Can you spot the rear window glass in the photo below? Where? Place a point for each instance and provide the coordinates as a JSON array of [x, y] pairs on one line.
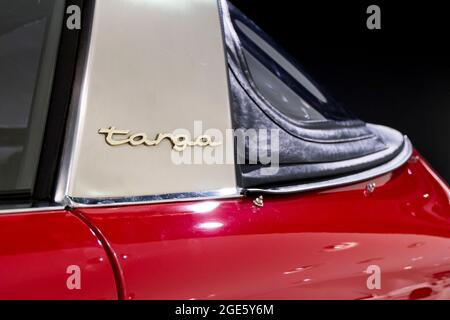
[[279, 79]]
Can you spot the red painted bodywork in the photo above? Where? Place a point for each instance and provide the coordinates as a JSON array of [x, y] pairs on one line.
[[37, 248], [314, 245]]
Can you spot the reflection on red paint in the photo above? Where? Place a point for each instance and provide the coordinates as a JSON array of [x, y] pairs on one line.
[[226, 248]]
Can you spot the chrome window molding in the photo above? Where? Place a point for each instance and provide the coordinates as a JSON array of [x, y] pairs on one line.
[[31, 210], [229, 193], [387, 167], [72, 130]]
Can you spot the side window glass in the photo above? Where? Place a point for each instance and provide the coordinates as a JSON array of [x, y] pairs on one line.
[[29, 40]]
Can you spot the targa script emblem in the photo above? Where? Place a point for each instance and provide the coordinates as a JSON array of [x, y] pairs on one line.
[[179, 141]]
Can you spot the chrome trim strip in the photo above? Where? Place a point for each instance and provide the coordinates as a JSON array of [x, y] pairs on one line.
[[31, 210], [72, 130], [393, 164], [228, 193]]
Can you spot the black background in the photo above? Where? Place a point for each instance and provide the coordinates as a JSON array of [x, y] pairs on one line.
[[398, 76]]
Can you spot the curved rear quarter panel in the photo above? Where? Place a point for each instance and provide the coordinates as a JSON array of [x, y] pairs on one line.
[[315, 245], [36, 250]]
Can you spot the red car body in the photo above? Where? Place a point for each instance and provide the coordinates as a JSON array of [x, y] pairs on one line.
[[85, 215], [315, 245]]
